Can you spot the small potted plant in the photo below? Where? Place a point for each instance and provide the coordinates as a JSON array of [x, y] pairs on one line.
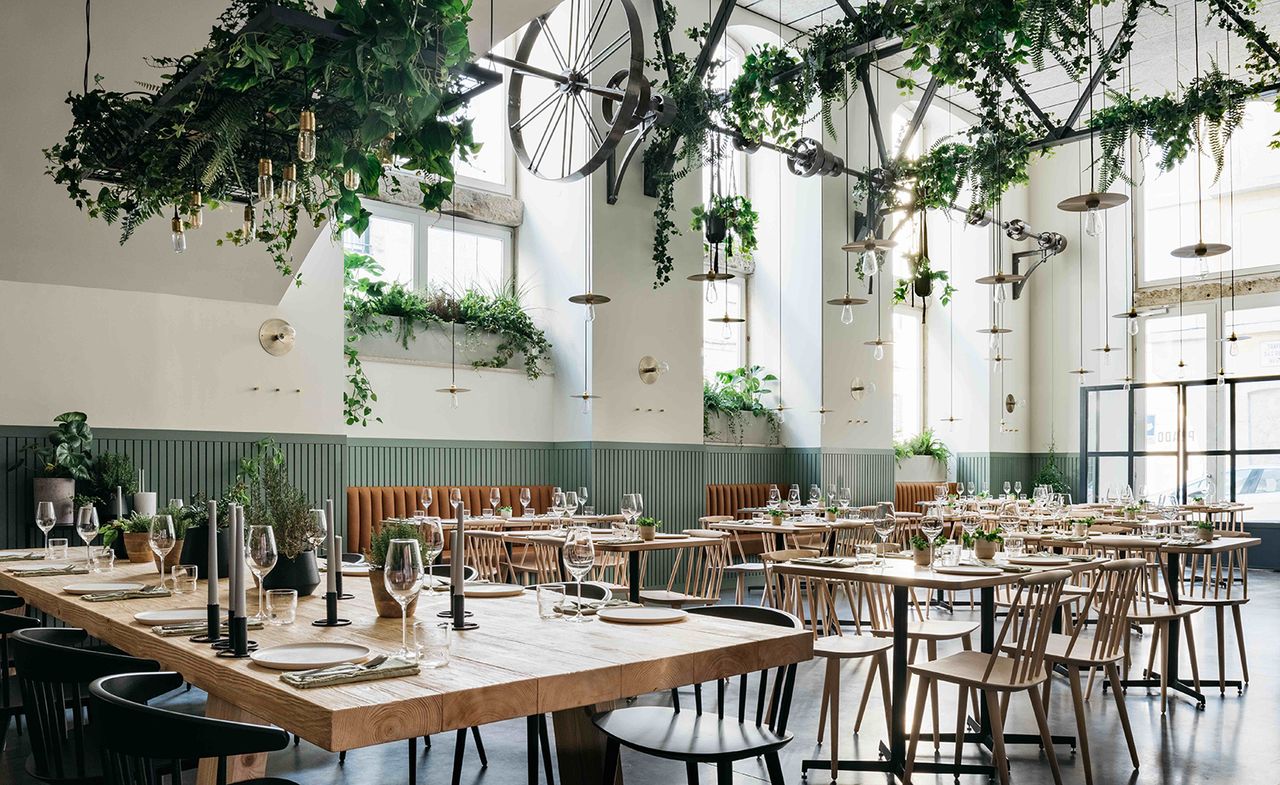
[[1080, 527], [60, 460], [1131, 511], [504, 513], [376, 556], [262, 485], [833, 513], [921, 550], [1205, 530], [648, 527], [985, 544], [135, 530], [195, 543], [776, 515]]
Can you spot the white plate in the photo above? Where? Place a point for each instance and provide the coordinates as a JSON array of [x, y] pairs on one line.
[[171, 616], [965, 569], [304, 656], [94, 588], [1041, 561], [492, 590], [641, 615]]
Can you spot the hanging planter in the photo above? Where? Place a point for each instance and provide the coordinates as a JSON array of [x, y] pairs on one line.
[[923, 277], [729, 220]]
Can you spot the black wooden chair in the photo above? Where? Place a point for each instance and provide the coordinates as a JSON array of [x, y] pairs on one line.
[[141, 743], [693, 737], [53, 673], [10, 696]]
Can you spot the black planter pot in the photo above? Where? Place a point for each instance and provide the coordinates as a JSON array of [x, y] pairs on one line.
[[195, 550], [923, 287], [716, 229], [299, 573]]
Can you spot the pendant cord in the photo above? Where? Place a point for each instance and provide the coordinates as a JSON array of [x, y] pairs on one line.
[[88, 41], [781, 222], [1195, 33], [453, 282], [848, 187]]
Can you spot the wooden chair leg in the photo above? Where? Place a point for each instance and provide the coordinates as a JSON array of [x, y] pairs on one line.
[[998, 757], [1046, 738], [824, 704], [1088, 687], [1082, 725], [1113, 676], [1156, 629], [1164, 672], [922, 695], [1191, 651], [872, 667], [1048, 683], [1219, 622], [961, 716], [883, 659], [1244, 659], [932, 648], [966, 643], [833, 678]]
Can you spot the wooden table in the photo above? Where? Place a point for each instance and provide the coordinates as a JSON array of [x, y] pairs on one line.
[[779, 532], [514, 665], [903, 575]]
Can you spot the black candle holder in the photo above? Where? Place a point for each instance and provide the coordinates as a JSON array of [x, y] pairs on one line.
[[240, 643], [459, 613], [331, 613], [342, 595], [214, 633]]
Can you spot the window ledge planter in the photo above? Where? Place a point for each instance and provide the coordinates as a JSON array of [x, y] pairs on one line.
[[430, 346], [743, 429], [921, 468]]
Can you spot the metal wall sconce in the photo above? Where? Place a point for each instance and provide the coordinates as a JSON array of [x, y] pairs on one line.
[[650, 369], [276, 337]]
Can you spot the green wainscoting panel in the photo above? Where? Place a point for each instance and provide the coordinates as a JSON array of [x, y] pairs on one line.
[[868, 473], [421, 462], [726, 464], [999, 467]]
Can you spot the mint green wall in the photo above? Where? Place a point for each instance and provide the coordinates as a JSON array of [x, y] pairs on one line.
[[997, 468]]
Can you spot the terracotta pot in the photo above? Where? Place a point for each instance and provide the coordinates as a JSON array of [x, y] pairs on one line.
[[985, 549], [387, 606], [921, 557], [171, 559], [648, 532], [1205, 534], [138, 546]]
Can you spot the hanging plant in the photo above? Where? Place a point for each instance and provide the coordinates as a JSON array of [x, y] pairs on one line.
[[375, 90], [923, 277], [739, 219]]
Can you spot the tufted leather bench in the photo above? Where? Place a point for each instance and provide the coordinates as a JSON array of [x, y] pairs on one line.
[[906, 494], [368, 506], [728, 498]]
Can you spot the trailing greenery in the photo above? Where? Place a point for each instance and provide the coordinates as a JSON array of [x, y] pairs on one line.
[[376, 555], [740, 220], [1051, 474], [925, 443], [66, 451], [262, 486], [376, 307], [921, 543], [376, 93], [995, 535], [735, 395]]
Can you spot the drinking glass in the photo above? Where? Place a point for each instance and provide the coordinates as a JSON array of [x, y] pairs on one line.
[[525, 497], [931, 526], [970, 523], [260, 547], [282, 606], [432, 543], [884, 523], [627, 507], [425, 496], [104, 560], [1188, 531], [571, 502], [87, 528], [176, 504], [184, 577], [867, 554], [775, 496], [793, 496], [402, 575], [1008, 486], [846, 497], [939, 492], [58, 548], [557, 507], [495, 498], [582, 497], [161, 538], [579, 555], [46, 519], [431, 640], [550, 596], [815, 495], [1015, 547]]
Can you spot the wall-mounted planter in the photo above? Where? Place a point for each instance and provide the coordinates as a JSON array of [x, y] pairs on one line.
[[431, 346], [751, 431], [921, 468]]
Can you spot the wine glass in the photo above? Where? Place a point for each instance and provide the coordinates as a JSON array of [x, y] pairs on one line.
[[260, 544], [931, 526], [557, 508], [639, 505], [402, 575], [775, 496], [831, 494], [793, 496], [1017, 487], [846, 497], [425, 496], [1008, 486], [627, 508], [972, 488], [161, 538], [582, 496], [456, 508], [495, 499], [815, 495], [579, 555], [525, 497], [317, 533], [571, 503], [970, 522], [46, 519], [87, 528], [885, 522], [433, 544], [939, 492]]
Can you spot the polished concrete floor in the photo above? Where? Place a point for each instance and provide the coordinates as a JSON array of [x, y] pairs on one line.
[[1236, 739]]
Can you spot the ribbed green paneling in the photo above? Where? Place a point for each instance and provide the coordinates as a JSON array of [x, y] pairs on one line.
[[1000, 467], [869, 473], [726, 464], [415, 462]]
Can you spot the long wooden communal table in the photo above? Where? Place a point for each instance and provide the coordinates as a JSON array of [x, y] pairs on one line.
[[791, 526], [513, 665], [904, 575]]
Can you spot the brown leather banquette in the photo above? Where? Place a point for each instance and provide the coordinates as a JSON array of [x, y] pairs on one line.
[[729, 498], [907, 494], [368, 506]]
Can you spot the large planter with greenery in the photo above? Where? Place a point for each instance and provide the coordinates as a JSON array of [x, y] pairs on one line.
[[922, 458], [299, 573], [741, 428], [63, 457], [386, 605], [733, 411], [60, 491], [433, 345]]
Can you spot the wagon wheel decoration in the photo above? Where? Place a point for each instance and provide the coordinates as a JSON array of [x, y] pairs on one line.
[[558, 87]]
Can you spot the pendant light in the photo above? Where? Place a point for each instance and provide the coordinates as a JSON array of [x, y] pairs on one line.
[[1093, 202], [589, 298], [847, 302], [870, 247], [1081, 371], [177, 236], [453, 389], [195, 210], [306, 136], [714, 230], [1200, 250], [951, 419], [1232, 341]]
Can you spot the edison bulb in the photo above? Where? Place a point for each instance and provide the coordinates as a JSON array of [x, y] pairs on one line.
[[307, 136], [249, 225], [1233, 347], [1133, 325], [177, 236], [1182, 369], [1127, 385], [591, 312], [823, 417], [726, 332], [869, 263], [1222, 378], [1092, 222], [782, 415], [878, 352], [846, 314], [289, 185], [586, 405], [266, 186], [1204, 267], [195, 218], [351, 180], [711, 292], [994, 342], [453, 400], [998, 295]]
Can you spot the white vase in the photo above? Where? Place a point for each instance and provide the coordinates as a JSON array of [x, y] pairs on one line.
[[144, 502], [60, 491]]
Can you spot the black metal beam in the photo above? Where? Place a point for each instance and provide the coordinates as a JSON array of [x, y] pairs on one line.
[[664, 41], [864, 76], [714, 34], [917, 117], [1122, 35], [880, 47], [1262, 41], [1011, 77], [848, 8]]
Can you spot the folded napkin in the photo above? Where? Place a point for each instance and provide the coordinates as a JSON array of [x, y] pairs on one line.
[[1069, 538], [1080, 557], [618, 540], [32, 556], [898, 555], [55, 569], [187, 629], [591, 606], [825, 561], [1014, 568], [1188, 543], [351, 673], [135, 594]]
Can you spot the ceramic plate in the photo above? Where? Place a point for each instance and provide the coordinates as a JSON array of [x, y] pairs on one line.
[[641, 615], [304, 656], [965, 569], [94, 588], [172, 616], [492, 590], [1041, 561]]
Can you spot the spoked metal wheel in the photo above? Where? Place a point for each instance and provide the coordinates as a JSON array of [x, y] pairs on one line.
[[567, 109]]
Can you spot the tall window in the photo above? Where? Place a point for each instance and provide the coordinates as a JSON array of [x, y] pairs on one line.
[[908, 375], [492, 167], [724, 347], [419, 249]]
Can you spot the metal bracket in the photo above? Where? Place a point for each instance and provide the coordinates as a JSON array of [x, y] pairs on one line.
[[1050, 244]]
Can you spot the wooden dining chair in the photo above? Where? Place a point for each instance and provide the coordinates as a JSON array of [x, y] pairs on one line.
[[140, 743], [1016, 664], [696, 575], [53, 670], [740, 566], [540, 563], [846, 536], [1219, 581], [775, 587], [757, 728], [486, 551], [1097, 641]]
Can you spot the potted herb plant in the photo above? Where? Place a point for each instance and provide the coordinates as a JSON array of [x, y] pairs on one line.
[[776, 516], [386, 605], [62, 458], [114, 471], [921, 550], [504, 512], [922, 458], [832, 514], [985, 543], [648, 527], [1205, 530], [135, 531], [262, 486]]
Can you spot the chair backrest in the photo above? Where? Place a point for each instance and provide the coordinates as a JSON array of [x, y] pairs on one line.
[[52, 672], [134, 735], [9, 624], [486, 551], [772, 703], [368, 506], [848, 536], [1027, 626], [1110, 598], [1222, 575], [701, 566], [469, 573], [906, 494]]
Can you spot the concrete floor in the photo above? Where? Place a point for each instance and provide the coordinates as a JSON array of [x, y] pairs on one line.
[[1236, 739]]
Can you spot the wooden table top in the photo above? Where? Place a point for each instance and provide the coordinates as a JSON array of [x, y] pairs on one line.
[[601, 541], [514, 665], [905, 572], [787, 527], [1121, 541]]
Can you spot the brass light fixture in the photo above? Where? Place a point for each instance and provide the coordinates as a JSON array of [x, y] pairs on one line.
[[650, 369], [588, 298], [195, 214], [177, 237], [266, 186], [306, 136], [289, 185], [276, 337]]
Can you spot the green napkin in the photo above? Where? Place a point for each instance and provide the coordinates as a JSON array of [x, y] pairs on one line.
[[591, 606], [351, 673], [618, 541], [59, 569], [1014, 568], [1080, 557], [187, 629], [32, 556], [135, 594]]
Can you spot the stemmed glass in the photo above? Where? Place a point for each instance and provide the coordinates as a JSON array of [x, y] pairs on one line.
[[571, 503], [402, 575], [582, 497], [885, 522], [161, 538], [628, 510], [495, 498], [775, 496], [579, 555], [972, 488], [970, 523], [1017, 487], [815, 495], [557, 508], [639, 504], [831, 494], [425, 496], [846, 498], [317, 534], [1008, 486], [931, 526], [46, 519], [793, 496], [260, 544], [433, 543], [87, 528], [525, 498]]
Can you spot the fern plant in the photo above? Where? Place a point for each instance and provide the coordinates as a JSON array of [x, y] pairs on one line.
[[926, 443]]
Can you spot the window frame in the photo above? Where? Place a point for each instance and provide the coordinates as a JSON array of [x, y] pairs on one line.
[[508, 184]]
